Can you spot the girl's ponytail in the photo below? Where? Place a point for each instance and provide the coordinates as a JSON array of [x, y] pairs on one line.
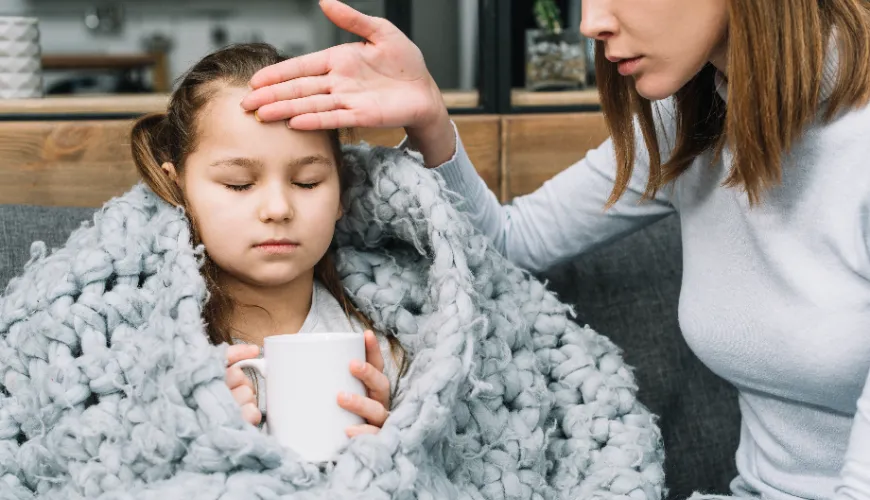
[[151, 145]]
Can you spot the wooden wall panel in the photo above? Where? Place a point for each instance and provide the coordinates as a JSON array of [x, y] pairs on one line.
[[84, 163], [537, 147]]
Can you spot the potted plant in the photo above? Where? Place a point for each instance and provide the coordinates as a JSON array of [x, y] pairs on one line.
[[555, 58]]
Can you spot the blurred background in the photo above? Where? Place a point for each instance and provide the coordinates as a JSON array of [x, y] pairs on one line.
[[508, 49]]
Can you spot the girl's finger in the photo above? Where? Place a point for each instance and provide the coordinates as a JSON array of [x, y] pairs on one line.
[[372, 411], [377, 384], [236, 378], [244, 395], [373, 351], [291, 89], [236, 353], [356, 430], [251, 414]]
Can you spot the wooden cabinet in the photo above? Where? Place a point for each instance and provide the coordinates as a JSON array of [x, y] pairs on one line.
[[84, 163]]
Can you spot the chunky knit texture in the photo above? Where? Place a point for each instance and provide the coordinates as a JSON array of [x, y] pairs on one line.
[[110, 389]]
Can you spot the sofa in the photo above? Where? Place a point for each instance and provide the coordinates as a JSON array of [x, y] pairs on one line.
[[627, 291]]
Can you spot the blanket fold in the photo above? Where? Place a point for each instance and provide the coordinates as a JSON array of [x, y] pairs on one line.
[[109, 388]]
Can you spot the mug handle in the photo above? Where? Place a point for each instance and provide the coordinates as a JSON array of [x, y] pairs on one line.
[[258, 364]]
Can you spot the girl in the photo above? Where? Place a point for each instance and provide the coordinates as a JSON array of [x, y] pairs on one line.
[[264, 201], [760, 144]]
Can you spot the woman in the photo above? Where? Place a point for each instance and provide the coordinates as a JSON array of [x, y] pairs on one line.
[[749, 119]]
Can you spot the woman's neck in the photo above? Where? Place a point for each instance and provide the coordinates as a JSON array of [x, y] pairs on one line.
[[260, 312]]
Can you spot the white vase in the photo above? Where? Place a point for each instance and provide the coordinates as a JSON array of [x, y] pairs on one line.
[[20, 58]]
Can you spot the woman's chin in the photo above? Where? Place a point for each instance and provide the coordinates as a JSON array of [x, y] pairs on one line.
[[653, 87]]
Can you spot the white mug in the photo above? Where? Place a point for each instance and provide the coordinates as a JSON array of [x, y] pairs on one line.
[[304, 375]]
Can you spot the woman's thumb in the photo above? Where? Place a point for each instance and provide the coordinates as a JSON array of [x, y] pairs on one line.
[[350, 19]]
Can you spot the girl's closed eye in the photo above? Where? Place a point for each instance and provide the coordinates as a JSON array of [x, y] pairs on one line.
[[238, 187], [307, 185]]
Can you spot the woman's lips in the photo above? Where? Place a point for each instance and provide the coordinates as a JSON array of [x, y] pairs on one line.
[[628, 67]]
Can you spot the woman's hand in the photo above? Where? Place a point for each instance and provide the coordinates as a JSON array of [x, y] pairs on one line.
[[239, 383], [374, 408], [382, 82]]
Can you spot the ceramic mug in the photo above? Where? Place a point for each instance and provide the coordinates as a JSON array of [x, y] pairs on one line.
[[304, 374]]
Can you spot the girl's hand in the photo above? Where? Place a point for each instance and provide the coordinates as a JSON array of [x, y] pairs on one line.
[[382, 82], [240, 385], [374, 408]]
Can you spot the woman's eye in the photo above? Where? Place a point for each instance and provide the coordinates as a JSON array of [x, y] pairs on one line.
[[307, 186], [239, 187]]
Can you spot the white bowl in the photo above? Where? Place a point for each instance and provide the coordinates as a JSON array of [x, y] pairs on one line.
[[29, 64], [18, 49]]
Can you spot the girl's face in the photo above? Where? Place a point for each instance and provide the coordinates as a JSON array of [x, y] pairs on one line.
[[662, 44], [265, 198]]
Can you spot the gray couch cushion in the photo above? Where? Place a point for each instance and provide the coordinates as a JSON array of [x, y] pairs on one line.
[[627, 291], [21, 225]]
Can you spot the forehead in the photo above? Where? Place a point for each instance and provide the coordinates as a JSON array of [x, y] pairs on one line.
[[224, 125]]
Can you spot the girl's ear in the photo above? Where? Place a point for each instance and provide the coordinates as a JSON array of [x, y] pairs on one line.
[[169, 168], [340, 213]]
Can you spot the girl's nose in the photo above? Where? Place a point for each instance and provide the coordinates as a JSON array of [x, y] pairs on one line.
[[276, 205]]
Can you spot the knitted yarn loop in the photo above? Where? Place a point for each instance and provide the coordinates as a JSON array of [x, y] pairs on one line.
[[109, 388]]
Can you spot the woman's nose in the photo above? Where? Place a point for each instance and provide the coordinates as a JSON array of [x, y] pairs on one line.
[[597, 20], [276, 206]]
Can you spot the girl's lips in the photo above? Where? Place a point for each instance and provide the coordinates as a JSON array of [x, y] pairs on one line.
[[628, 67], [276, 247]]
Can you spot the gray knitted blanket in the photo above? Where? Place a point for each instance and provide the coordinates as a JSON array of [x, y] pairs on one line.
[[109, 388]]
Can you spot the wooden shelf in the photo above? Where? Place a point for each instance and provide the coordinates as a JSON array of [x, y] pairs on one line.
[[98, 61], [522, 97]]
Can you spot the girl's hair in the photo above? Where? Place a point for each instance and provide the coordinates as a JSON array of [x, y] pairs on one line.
[[776, 56], [172, 136]]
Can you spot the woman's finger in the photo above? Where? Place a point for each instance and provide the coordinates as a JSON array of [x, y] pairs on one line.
[[356, 430], [349, 19], [283, 110], [377, 384], [251, 414], [244, 395], [372, 411], [314, 64], [373, 351], [238, 352], [340, 118], [292, 89]]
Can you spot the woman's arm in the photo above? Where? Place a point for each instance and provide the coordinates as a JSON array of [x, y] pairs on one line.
[[855, 482], [563, 218]]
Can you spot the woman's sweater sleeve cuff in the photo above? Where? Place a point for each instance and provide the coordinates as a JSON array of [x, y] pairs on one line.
[[458, 172]]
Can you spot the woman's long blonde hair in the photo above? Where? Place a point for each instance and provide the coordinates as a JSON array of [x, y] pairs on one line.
[[171, 137], [776, 59]]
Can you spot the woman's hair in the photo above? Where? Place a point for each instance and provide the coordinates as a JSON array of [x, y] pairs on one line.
[[776, 56], [172, 136]]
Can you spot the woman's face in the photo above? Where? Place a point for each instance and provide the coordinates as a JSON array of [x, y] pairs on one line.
[[265, 198], [662, 44]]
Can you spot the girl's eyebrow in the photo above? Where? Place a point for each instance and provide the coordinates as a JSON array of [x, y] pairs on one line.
[[310, 160], [237, 162], [255, 163]]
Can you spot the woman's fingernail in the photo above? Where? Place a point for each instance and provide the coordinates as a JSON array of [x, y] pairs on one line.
[[356, 364], [257, 116], [344, 397]]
